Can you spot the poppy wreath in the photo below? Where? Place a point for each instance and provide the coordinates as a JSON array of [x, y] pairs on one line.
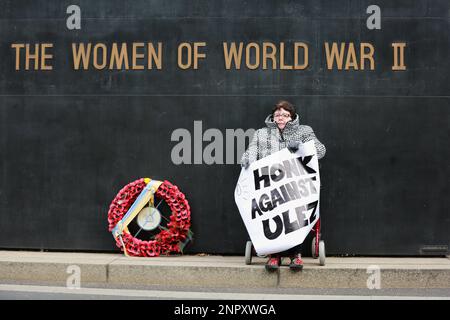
[[167, 241]]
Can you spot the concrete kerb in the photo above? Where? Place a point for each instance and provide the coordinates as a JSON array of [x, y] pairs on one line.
[[358, 278], [55, 267], [220, 271]]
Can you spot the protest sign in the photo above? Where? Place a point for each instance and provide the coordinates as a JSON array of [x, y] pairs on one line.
[[278, 198]]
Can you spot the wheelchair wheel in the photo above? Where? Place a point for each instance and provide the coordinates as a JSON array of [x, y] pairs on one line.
[[313, 248], [248, 252], [322, 252]]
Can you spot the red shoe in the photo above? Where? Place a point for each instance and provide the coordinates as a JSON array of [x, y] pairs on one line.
[[273, 263], [296, 263]]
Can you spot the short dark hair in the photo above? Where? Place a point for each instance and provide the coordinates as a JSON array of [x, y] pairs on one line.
[[286, 105]]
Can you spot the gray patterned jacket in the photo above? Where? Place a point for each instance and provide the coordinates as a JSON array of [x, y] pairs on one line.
[[270, 140]]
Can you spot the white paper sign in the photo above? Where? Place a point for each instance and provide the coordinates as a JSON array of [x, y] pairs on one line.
[[278, 198]]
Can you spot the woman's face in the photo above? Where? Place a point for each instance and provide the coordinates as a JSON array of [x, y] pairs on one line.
[[281, 117]]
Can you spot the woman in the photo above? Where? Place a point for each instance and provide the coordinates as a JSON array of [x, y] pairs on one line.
[[282, 131]]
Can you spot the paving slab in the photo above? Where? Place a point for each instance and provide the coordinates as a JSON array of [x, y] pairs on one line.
[[223, 271]]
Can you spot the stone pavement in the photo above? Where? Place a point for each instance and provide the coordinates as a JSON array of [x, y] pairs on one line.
[[221, 271]]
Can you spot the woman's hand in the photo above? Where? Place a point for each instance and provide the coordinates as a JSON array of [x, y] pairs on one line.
[[245, 164]]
